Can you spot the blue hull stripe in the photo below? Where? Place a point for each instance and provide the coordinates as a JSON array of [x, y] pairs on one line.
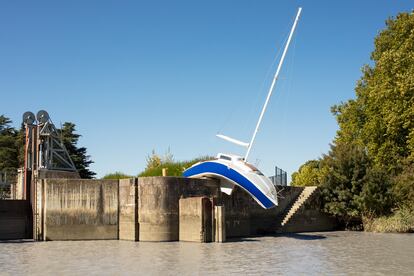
[[220, 169]]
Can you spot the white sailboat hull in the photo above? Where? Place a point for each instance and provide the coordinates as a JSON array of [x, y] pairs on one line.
[[256, 184]]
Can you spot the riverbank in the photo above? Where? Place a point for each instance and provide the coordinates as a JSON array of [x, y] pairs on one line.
[[401, 221]]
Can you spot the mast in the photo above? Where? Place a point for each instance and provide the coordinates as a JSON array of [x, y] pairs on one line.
[[273, 83]]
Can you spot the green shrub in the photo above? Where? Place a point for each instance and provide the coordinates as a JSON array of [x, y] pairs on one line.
[[156, 163], [401, 221], [116, 175], [309, 174]]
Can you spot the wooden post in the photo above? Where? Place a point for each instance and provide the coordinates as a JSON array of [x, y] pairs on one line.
[[164, 171]]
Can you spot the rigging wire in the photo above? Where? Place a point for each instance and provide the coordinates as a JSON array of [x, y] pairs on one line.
[[285, 84], [249, 116], [288, 93], [258, 99]]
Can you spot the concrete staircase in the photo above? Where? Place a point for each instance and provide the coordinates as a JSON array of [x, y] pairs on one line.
[[306, 193]]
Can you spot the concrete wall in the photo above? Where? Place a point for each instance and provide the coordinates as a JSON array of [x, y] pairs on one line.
[[195, 219], [15, 219], [310, 218], [43, 174], [158, 204], [244, 217], [148, 209], [80, 209], [128, 209]]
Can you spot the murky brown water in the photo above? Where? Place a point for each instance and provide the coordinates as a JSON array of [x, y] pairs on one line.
[[311, 253]]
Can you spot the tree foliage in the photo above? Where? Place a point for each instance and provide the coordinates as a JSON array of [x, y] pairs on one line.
[[78, 155], [156, 163], [9, 150], [369, 169], [308, 174], [381, 118]]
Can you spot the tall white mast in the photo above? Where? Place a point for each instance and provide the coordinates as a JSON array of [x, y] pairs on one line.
[[273, 83]]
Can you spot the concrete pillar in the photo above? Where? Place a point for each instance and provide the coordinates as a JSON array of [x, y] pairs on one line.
[[128, 209], [195, 219], [220, 223], [158, 208]]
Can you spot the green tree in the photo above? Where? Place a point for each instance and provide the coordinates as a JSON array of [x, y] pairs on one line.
[[8, 147], [79, 156], [342, 184], [403, 188], [381, 118], [369, 169], [309, 174], [20, 142]]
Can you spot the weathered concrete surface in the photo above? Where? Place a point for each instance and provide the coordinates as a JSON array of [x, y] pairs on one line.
[[158, 204], [15, 220], [148, 209], [17, 188], [43, 174], [128, 209], [244, 217], [309, 218], [195, 219], [80, 209], [220, 223]]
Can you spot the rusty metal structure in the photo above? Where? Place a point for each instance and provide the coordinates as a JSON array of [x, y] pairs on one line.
[[44, 149]]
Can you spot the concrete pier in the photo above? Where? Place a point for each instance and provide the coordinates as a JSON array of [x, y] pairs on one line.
[[158, 204], [220, 223], [196, 222], [128, 209], [160, 209]]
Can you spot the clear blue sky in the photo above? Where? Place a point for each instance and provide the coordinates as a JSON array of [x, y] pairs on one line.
[[136, 76]]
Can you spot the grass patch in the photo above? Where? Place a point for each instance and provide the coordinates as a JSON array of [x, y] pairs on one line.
[[116, 175], [174, 168], [401, 221]]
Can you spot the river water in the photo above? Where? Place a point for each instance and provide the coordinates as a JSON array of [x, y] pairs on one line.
[[307, 253]]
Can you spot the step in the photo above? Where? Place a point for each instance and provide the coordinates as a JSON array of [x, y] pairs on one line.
[[302, 198]]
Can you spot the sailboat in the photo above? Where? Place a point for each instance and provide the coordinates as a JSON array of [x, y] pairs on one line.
[[233, 170]]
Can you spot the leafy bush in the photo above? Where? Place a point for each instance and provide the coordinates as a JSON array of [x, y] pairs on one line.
[[116, 175], [403, 188], [309, 174], [156, 163], [402, 221]]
